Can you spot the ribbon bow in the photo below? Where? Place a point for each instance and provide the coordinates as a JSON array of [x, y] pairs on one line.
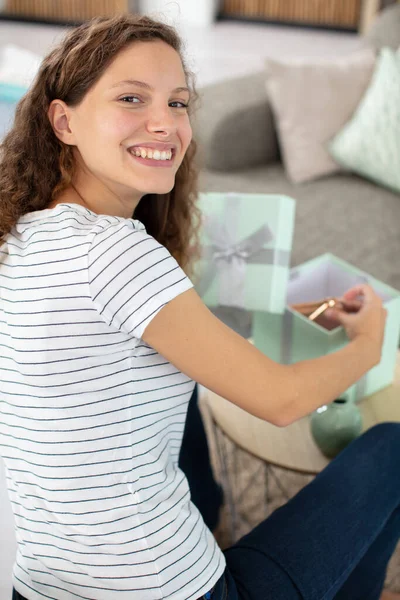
[[228, 259]]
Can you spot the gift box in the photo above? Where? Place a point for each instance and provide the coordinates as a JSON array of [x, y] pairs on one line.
[[246, 240], [292, 337]]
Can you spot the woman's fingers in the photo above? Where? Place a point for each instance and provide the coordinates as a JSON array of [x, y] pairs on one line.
[[350, 305]]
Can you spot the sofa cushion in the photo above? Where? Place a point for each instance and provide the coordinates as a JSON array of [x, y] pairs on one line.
[[312, 99], [233, 125], [18, 66], [385, 30], [370, 143], [344, 214]]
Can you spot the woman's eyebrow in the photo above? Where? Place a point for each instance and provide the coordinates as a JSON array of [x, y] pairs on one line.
[[145, 85]]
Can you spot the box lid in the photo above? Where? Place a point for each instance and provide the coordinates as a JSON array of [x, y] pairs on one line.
[[246, 242]]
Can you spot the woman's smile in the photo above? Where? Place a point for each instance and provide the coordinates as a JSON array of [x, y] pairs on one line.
[[154, 154]]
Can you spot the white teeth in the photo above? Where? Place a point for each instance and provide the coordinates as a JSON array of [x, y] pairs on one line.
[[152, 154]]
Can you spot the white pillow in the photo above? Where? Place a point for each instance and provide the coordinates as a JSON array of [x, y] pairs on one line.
[[18, 66], [311, 101], [369, 143]]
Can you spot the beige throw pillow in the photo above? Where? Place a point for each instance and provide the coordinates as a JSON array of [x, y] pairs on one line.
[[311, 101]]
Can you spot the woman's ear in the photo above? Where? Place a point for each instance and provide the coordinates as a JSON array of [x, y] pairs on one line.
[[59, 115]]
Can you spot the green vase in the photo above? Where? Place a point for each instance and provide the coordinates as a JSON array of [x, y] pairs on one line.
[[335, 425]]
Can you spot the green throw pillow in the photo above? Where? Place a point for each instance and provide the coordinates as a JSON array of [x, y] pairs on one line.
[[369, 143]]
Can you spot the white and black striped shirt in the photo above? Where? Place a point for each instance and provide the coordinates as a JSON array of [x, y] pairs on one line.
[[92, 418]]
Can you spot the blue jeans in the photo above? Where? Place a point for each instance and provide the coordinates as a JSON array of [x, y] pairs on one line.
[[194, 460], [334, 539]]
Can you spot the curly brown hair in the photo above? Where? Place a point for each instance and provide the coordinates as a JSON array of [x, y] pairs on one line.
[[35, 166]]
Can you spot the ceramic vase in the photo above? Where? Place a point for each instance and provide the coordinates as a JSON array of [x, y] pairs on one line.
[[335, 425]]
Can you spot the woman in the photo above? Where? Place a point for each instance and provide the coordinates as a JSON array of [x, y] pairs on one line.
[[102, 336]]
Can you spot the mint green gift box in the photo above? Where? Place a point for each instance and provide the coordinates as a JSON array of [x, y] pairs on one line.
[[292, 337], [246, 241]]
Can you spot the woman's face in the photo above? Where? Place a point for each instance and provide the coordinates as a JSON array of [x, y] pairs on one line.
[[132, 128]]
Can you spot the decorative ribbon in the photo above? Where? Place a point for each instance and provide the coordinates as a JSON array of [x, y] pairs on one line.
[[227, 259]]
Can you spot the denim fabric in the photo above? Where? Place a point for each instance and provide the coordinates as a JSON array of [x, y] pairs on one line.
[[194, 460], [333, 540], [225, 588]]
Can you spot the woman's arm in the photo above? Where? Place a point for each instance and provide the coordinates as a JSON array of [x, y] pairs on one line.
[[187, 334]]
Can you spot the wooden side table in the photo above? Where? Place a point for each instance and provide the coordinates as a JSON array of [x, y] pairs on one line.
[[291, 448]]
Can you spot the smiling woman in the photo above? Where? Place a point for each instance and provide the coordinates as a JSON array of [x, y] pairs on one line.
[[102, 135], [102, 338], [94, 106], [122, 130]]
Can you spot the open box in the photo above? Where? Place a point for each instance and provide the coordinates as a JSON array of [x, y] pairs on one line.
[[292, 337]]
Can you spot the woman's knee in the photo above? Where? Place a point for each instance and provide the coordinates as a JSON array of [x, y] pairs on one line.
[[376, 448], [388, 433], [380, 443]]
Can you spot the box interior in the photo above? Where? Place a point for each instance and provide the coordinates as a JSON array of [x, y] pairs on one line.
[[323, 280]]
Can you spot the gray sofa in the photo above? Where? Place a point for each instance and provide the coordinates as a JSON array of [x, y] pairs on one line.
[[343, 214]]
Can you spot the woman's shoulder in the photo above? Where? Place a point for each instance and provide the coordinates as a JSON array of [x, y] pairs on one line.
[[82, 216], [66, 222]]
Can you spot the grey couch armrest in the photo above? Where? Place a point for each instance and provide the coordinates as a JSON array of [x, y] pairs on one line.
[[234, 126], [385, 30]]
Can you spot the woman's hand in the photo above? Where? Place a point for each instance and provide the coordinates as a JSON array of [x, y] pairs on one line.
[[363, 317]]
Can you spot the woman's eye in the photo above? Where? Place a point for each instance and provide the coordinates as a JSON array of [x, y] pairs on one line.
[[130, 99], [178, 104]]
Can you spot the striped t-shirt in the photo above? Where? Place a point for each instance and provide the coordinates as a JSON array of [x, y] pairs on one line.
[[92, 418]]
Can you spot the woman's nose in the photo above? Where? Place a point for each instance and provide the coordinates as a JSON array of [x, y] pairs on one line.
[[161, 120]]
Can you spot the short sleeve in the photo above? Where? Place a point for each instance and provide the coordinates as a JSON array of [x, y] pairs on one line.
[[131, 276]]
